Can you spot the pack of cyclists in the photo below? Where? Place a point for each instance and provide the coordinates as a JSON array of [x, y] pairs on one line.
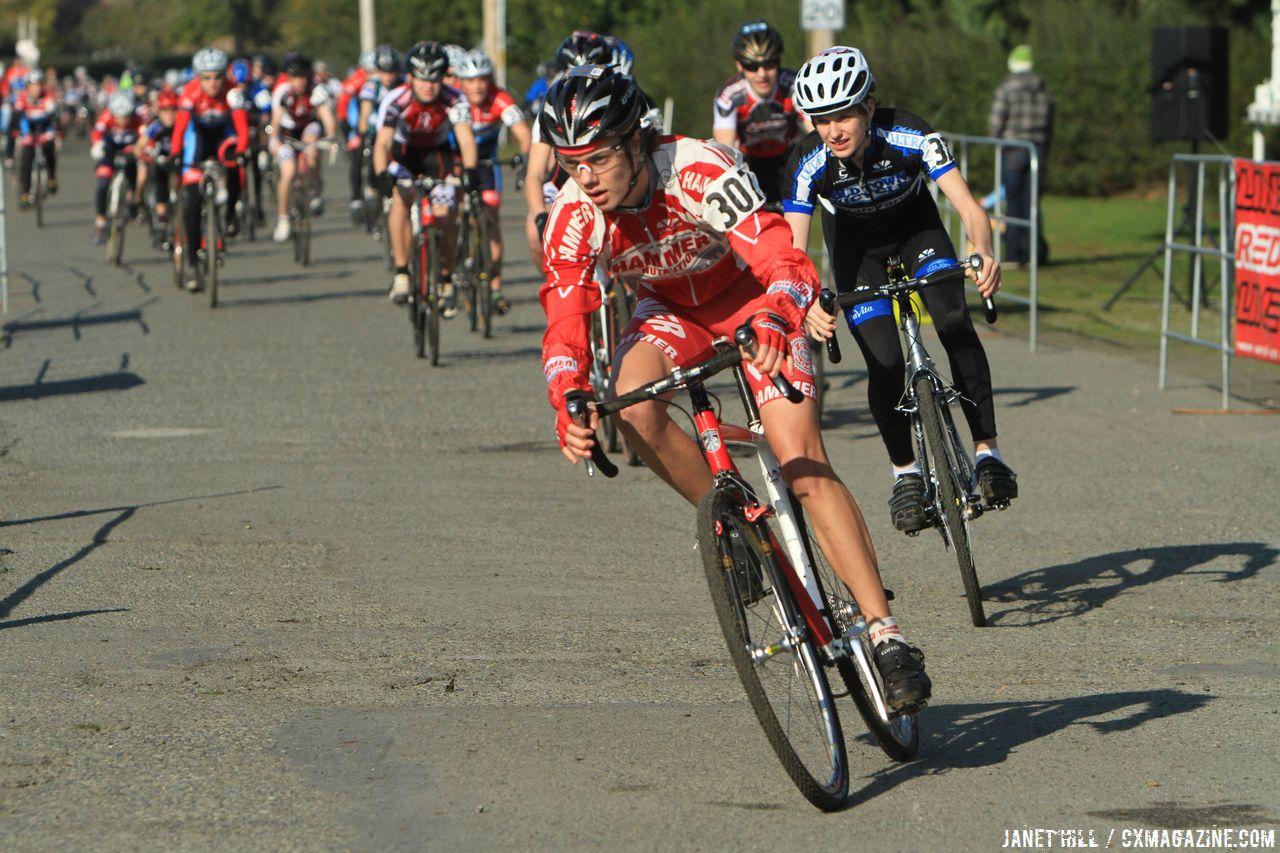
[[708, 234]]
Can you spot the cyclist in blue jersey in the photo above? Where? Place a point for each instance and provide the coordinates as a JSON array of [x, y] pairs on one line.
[[866, 165]]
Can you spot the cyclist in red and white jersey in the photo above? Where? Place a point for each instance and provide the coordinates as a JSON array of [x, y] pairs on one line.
[[753, 109], [300, 109], [681, 222], [492, 109], [414, 123]]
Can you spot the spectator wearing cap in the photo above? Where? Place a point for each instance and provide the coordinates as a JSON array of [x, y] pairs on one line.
[[1022, 109]]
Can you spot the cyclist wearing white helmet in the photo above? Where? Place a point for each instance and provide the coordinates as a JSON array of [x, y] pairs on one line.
[[492, 108], [867, 165], [36, 111], [210, 111], [116, 131]]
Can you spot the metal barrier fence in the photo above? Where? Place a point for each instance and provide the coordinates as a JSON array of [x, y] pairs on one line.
[[960, 147], [1224, 252]]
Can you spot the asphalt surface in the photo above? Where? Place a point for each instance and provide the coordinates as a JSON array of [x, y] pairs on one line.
[[267, 581]]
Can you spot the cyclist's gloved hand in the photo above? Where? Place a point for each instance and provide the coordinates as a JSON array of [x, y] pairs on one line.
[[386, 183], [471, 180], [97, 151], [575, 437], [771, 331]]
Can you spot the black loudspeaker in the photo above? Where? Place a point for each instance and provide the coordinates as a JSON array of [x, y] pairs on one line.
[[1189, 77]]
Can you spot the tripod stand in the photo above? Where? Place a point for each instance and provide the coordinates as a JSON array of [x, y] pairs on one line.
[[1184, 228]]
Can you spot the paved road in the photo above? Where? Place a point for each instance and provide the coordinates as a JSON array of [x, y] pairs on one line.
[[269, 582]]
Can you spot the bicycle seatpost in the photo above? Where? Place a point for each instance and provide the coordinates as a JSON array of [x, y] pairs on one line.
[[827, 301], [575, 403]]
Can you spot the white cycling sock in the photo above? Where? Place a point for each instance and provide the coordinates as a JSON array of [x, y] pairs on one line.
[[993, 452], [883, 630], [903, 470]]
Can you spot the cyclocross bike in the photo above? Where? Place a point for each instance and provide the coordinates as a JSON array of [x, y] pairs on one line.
[[305, 186], [119, 194], [473, 264], [213, 174], [426, 268], [787, 618], [952, 496]]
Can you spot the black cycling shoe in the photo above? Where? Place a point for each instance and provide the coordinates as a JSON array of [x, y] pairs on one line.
[[906, 686], [996, 480], [232, 228], [907, 506]]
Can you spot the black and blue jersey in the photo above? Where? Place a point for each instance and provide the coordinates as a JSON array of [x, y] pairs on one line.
[[902, 149]]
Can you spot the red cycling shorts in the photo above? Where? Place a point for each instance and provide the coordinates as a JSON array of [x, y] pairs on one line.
[[686, 335]]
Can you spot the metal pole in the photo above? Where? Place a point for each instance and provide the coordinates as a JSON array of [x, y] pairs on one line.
[[4, 243], [820, 40], [495, 37], [1226, 182], [1034, 239], [1197, 262], [368, 27], [998, 207], [1168, 272]]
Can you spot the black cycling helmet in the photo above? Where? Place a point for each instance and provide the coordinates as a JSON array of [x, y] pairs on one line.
[[427, 60], [297, 64], [583, 48], [588, 104], [757, 41], [386, 58]]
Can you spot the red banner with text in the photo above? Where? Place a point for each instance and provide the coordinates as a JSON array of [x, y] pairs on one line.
[[1258, 260]]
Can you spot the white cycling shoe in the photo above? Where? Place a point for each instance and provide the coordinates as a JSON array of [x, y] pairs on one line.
[[282, 232]]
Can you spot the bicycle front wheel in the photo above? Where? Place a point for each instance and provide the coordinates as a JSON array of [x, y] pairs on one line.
[[950, 497], [771, 649], [897, 734], [484, 273], [118, 211], [38, 191], [211, 235], [434, 267]]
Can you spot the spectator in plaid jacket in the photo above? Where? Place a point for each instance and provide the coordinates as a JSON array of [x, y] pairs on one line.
[[1022, 109]]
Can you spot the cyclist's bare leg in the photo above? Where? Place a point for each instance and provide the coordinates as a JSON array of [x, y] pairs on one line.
[[448, 219], [284, 189], [837, 522], [401, 232], [495, 246], [660, 442]]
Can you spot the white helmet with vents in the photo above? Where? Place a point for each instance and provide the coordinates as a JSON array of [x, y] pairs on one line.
[[832, 81]]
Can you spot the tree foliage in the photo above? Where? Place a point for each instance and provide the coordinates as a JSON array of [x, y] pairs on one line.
[[939, 58]]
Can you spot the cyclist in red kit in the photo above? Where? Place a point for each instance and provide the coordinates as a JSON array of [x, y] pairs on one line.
[[681, 222]]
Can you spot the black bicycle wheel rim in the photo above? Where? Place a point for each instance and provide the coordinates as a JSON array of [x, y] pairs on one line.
[[211, 243], [435, 291], [116, 216], [464, 274], [794, 721], [418, 305], [38, 184], [484, 269], [950, 499]]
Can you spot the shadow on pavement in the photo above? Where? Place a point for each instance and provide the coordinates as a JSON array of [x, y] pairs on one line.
[[300, 298], [982, 734], [1063, 591], [120, 381], [279, 277], [120, 514]]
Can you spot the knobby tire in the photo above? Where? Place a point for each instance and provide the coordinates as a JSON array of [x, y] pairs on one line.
[[950, 499]]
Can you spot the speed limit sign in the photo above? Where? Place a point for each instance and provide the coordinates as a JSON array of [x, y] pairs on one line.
[[822, 14]]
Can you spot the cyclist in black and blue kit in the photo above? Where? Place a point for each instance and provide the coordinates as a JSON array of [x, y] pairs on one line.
[[866, 166]]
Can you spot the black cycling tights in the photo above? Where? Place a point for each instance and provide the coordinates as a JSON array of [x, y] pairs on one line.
[[879, 340], [192, 208]]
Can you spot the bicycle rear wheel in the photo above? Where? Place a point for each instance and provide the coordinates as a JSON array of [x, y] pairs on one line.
[[484, 273], [38, 190], [950, 496], [211, 235], [897, 734], [117, 213], [434, 268], [775, 658], [465, 272]]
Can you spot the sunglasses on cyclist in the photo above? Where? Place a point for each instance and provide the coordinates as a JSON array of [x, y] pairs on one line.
[[598, 162], [756, 66]]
